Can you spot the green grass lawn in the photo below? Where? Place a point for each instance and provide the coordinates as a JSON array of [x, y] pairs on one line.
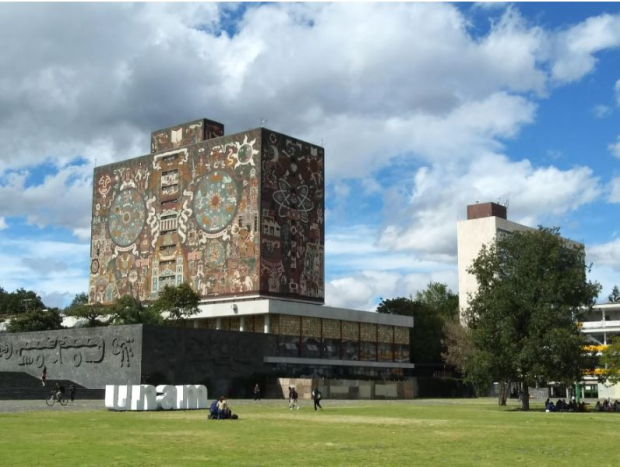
[[421, 432]]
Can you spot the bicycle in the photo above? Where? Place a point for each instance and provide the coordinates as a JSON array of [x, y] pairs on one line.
[[56, 397]]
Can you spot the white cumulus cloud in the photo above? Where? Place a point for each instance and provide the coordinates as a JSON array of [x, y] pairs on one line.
[[575, 49], [614, 148], [426, 221]]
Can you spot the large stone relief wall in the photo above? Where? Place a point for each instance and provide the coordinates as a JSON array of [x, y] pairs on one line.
[[90, 357], [183, 214], [292, 218]]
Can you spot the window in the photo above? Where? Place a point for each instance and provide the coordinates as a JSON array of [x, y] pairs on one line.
[[331, 349], [310, 347], [350, 350], [171, 157], [288, 346], [171, 177], [368, 351]]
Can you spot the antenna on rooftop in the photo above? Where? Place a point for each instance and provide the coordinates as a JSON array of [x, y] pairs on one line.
[[263, 121]]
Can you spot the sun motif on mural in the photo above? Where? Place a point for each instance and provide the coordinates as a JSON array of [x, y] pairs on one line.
[[245, 152], [215, 201], [105, 184], [127, 216], [292, 197]]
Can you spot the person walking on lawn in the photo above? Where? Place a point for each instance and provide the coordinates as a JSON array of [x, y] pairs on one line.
[[316, 397]]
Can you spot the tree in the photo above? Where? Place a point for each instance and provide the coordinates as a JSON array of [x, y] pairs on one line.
[[177, 302], [36, 320], [615, 295], [532, 288], [20, 301], [79, 299], [441, 299], [425, 337], [130, 310], [458, 346], [610, 362], [95, 314]]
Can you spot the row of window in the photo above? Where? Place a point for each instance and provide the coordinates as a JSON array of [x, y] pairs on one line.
[[336, 349], [329, 371]]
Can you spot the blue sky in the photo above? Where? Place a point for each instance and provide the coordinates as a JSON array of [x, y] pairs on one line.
[[422, 108]]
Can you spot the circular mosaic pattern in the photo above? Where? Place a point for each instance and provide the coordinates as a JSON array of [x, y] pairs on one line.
[[215, 201], [127, 216]]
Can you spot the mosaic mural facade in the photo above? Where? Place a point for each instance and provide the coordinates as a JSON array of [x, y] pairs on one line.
[[292, 218], [230, 215]]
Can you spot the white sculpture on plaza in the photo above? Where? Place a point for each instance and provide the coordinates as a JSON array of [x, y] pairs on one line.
[[144, 397]]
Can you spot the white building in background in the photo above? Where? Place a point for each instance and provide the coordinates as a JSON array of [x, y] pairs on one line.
[[601, 325], [484, 223]]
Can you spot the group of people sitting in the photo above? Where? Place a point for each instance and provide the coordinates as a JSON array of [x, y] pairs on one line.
[[607, 406], [220, 410], [562, 406]]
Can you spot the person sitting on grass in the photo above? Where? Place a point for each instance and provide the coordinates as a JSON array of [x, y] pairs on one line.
[[213, 410], [223, 411], [549, 407]]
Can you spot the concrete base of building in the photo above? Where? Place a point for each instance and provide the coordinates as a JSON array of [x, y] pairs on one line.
[[349, 389]]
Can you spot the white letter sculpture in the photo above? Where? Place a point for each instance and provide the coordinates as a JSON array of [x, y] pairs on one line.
[[166, 397], [117, 397], [146, 397], [143, 397]]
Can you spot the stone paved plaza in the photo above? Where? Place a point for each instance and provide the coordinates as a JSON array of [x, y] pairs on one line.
[[40, 405]]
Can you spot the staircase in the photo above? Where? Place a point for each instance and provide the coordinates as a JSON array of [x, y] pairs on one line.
[[17, 385]]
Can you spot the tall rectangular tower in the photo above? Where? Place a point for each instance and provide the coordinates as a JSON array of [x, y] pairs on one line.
[[484, 223], [234, 216]]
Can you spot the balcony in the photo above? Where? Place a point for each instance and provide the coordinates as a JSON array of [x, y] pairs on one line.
[[600, 326]]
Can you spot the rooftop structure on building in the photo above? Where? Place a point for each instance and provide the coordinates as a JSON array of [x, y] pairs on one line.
[[484, 222]]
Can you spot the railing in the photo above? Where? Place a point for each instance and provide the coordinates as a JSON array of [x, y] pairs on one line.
[[599, 324]]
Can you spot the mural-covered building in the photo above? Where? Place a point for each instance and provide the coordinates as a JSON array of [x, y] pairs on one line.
[[237, 215], [241, 219]]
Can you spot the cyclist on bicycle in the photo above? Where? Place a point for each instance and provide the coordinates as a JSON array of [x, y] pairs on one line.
[[59, 392]]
